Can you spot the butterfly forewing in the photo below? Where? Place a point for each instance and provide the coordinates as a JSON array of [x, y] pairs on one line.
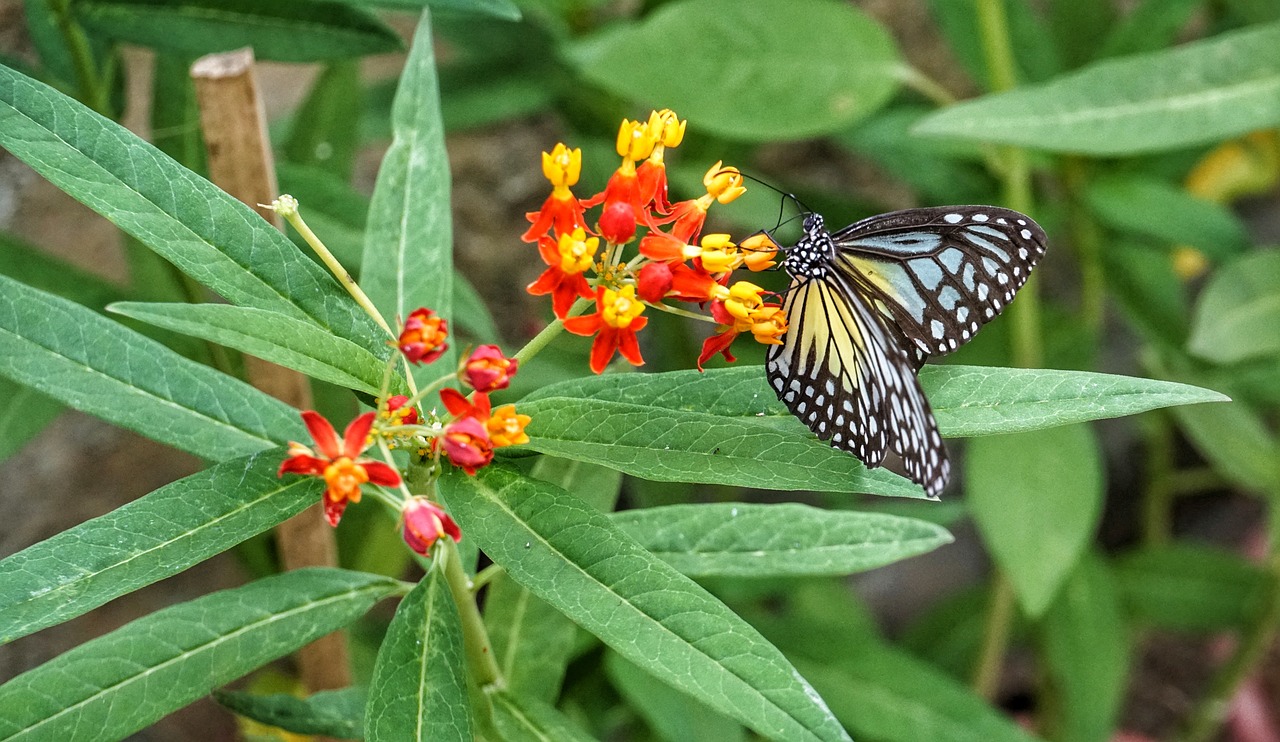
[[939, 274], [871, 302]]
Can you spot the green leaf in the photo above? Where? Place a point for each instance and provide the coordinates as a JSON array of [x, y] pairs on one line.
[[1191, 587], [1035, 52], [279, 31], [39, 269], [1201, 92], [1036, 498], [408, 248], [121, 682], [1237, 442], [147, 540], [88, 362], [175, 112], [206, 233], [472, 316], [1142, 281], [747, 540], [571, 556], [273, 337], [1238, 316], [967, 400], [332, 713], [802, 68], [523, 719], [884, 694], [24, 412], [419, 685], [1086, 652], [532, 641], [1155, 208], [672, 715], [505, 9], [325, 130], [1151, 25]]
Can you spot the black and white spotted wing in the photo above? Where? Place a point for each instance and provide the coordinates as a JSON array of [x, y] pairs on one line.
[[941, 273], [869, 303]]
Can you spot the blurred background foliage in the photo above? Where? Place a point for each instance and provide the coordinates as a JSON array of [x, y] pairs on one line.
[[1134, 572]]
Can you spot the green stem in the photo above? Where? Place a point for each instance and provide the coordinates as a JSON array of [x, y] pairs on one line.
[[925, 85], [995, 638], [682, 312], [481, 664], [1027, 346], [548, 333], [93, 93], [287, 207], [1086, 236], [1254, 642], [1157, 501]]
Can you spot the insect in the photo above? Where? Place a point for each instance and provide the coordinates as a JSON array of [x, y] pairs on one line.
[[869, 303]]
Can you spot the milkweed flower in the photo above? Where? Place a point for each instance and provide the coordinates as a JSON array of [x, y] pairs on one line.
[[423, 338], [723, 184], [338, 462], [758, 252], [488, 369], [561, 211], [506, 427], [566, 258], [466, 443], [615, 324], [653, 282], [397, 414], [425, 523], [668, 131], [741, 313]]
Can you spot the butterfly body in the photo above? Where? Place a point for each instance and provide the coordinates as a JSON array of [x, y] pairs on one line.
[[869, 303]]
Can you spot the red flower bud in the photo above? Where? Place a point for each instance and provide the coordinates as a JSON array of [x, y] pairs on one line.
[[653, 282], [488, 370], [618, 222], [466, 443], [425, 523], [423, 338]]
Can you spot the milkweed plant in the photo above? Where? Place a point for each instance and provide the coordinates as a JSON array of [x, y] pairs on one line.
[[610, 527]]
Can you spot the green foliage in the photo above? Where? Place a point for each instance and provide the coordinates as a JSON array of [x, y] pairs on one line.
[[621, 575]]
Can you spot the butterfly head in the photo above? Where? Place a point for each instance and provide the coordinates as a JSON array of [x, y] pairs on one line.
[[811, 255]]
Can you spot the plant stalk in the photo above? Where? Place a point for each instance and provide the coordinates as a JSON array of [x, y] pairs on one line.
[[475, 638], [995, 638]]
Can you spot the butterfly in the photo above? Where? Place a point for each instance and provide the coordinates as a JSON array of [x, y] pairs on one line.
[[869, 303]]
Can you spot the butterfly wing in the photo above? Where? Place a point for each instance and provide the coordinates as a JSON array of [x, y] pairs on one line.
[[940, 273], [847, 373]]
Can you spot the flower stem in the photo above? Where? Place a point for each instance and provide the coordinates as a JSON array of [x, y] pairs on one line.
[[1024, 314], [287, 206], [995, 638], [682, 312], [1254, 642], [548, 333], [93, 91], [480, 661], [918, 81]]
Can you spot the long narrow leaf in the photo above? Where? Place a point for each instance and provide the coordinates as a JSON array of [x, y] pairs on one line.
[[149, 539], [408, 249], [88, 362], [419, 689], [571, 556], [206, 233], [119, 683]]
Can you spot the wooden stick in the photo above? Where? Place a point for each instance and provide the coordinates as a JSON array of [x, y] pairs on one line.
[[241, 163]]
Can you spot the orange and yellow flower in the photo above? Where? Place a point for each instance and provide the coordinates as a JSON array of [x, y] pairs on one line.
[[566, 258], [488, 370], [561, 211], [338, 462], [615, 324], [424, 336]]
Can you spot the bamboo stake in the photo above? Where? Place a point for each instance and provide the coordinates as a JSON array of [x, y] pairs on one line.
[[241, 163]]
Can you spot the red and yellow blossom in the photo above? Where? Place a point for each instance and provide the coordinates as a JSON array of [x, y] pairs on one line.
[[723, 184], [397, 414], [561, 211], [338, 462], [743, 311], [466, 442], [758, 252], [425, 523], [506, 427], [566, 258], [488, 370], [615, 324], [424, 336], [668, 131]]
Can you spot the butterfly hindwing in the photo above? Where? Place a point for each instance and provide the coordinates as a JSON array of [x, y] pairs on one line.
[[846, 373], [939, 274]]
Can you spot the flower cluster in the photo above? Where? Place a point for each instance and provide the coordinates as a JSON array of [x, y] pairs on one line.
[[675, 261], [465, 434]]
